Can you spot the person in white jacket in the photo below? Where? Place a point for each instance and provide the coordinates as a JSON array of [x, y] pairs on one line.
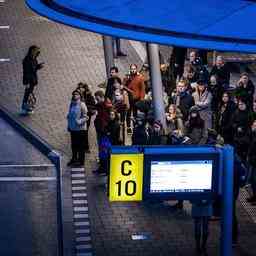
[[77, 126]]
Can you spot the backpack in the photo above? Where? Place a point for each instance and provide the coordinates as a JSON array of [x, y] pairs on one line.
[[104, 147]]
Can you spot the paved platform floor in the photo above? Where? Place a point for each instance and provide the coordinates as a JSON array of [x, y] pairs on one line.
[[71, 56]]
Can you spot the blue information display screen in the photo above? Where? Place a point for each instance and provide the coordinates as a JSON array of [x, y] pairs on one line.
[[181, 173], [181, 176]]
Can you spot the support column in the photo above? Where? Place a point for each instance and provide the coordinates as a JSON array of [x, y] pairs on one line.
[[227, 201], [108, 53], [156, 82]]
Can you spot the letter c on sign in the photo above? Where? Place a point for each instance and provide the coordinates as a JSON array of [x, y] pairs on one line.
[[123, 168]]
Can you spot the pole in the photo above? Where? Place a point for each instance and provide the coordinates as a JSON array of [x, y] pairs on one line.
[[156, 82], [108, 53], [227, 201]]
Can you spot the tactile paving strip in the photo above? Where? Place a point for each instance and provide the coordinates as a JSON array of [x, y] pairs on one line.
[[250, 209]]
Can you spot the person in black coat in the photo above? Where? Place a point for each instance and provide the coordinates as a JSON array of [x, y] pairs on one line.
[[182, 99], [113, 128], [252, 162], [225, 112], [30, 79], [241, 116], [140, 135], [110, 83], [222, 72], [245, 89]]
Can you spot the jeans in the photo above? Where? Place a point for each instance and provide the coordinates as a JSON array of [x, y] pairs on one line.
[[28, 91]]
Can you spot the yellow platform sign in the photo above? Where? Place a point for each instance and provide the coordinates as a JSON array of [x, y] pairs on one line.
[[126, 177]]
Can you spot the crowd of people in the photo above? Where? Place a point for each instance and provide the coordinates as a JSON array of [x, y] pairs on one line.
[[201, 104], [201, 108]]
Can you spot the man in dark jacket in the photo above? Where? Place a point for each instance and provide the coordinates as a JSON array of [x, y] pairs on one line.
[[222, 72], [110, 83], [182, 99], [30, 79]]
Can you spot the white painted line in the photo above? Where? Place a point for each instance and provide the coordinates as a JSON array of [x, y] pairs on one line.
[[83, 246], [82, 231], [79, 188], [4, 60], [83, 239], [4, 27], [25, 165], [77, 170], [81, 209], [82, 223], [80, 202], [78, 182], [27, 178], [78, 175], [79, 195], [2, 1], [81, 216], [84, 254]]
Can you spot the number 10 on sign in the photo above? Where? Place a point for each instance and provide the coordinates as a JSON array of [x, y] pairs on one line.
[[126, 177]]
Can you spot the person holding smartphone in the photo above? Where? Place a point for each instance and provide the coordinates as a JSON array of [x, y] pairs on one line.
[[30, 79]]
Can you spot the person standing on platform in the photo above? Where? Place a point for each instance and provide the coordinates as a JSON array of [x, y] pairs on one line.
[[77, 126], [222, 72], [114, 77], [134, 84], [30, 79]]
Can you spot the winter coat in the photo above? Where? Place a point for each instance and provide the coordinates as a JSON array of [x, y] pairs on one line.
[[224, 125], [110, 86], [186, 101], [222, 74], [204, 102], [136, 86], [77, 116], [102, 117], [140, 135], [197, 133], [30, 67], [246, 93], [252, 150], [240, 119], [113, 132]]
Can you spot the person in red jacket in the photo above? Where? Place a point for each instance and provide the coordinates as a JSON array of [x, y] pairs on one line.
[[103, 105], [134, 84]]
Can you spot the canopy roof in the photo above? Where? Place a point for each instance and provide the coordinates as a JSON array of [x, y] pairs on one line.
[[208, 24]]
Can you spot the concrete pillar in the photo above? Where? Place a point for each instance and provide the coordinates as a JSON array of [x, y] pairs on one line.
[[108, 53], [156, 82]]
